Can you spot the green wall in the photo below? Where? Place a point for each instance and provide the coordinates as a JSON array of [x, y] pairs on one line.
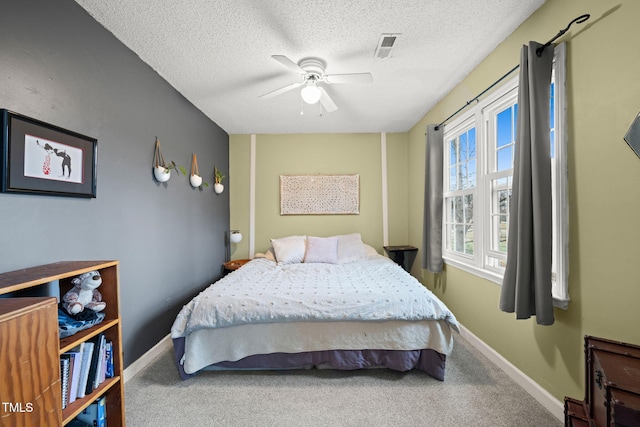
[[325, 154], [603, 93]]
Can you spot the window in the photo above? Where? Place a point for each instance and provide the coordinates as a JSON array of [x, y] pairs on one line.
[[478, 165], [462, 183]]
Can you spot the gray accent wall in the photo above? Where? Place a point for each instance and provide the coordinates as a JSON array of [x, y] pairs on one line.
[[60, 66]]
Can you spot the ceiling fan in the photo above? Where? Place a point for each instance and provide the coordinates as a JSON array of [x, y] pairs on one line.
[[312, 73]]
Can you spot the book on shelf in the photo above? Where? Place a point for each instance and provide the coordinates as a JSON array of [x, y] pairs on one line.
[[95, 414], [84, 371], [93, 366], [109, 358], [98, 377], [64, 380], [103, 363], [76, 357], [75, 363]]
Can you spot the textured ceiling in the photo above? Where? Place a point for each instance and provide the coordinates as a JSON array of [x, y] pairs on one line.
[[217, 54]]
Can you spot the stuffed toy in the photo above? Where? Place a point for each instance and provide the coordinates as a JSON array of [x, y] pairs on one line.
[[84, 294]]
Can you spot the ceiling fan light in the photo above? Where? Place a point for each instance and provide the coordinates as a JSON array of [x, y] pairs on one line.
[[310, 94]]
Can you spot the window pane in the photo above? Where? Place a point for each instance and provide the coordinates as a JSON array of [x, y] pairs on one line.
[[468, 208], [467, 164], [472, 142], [463, 147], [468, 244], [505, 158], [457, 210], [500, 202], [471, 176], [505, 138], [468, 223], [453, 178], [504, 129], [453, 152], [465, 177], [459, 224], [451, 241], [502, 233], [504, 197], [471, 156], [459, 238]]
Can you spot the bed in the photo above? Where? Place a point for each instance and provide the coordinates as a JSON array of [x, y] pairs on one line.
[[324, 302]]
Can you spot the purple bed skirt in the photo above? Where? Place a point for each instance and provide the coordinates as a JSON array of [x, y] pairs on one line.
[[429, 361]]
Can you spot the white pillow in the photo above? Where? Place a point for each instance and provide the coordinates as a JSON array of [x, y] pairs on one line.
[[266, 255], [322, 249], [350, 248], [289, 250], [370, 251]]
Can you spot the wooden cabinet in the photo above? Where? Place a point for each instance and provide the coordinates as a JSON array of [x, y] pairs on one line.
[[29, 367], [29, 331], [612, 382]]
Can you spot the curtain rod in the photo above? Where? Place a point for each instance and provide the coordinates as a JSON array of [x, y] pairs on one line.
[[580, 19]]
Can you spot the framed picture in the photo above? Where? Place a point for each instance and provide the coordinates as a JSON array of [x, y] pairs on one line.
[[39, 158], [632, 137], [319, 194]]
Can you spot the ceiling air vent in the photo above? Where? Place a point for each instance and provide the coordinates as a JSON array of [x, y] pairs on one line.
[[385, 45]]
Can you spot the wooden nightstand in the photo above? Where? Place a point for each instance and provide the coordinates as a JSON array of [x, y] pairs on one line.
[[403, 255], [234, 265]]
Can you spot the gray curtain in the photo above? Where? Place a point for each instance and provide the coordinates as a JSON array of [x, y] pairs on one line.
[[432, 228], [526, 287]]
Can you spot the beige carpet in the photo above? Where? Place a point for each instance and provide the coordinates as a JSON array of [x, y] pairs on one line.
[[474, 393]]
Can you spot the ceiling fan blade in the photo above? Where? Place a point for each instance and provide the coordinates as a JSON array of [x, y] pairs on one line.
[[349, 78], [327, 102], [288, 63], [281, 90]]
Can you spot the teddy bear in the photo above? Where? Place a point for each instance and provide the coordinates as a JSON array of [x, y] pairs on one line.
[[84, 294]]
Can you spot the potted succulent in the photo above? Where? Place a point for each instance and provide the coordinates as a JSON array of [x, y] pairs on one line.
[[218, 176]]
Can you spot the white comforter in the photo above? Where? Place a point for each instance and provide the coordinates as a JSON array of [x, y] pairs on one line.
[[262, 291]]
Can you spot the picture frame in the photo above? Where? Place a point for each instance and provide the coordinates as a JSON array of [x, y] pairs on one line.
[[320, 194], [40, 158], [632, 137]]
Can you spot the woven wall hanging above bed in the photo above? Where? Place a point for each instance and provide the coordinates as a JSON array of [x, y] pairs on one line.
[[319, 194]]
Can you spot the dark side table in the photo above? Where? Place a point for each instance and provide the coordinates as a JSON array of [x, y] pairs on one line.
[[403, 255]]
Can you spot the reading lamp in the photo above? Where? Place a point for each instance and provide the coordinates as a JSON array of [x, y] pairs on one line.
[[234, 236]]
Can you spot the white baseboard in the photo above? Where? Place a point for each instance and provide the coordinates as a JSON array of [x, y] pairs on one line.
[[132, 370], [543, 397]]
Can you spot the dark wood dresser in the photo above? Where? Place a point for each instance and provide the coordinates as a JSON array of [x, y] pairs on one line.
[[612, 383]]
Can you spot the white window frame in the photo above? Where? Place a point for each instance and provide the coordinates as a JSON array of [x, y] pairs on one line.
[[477, 115]]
